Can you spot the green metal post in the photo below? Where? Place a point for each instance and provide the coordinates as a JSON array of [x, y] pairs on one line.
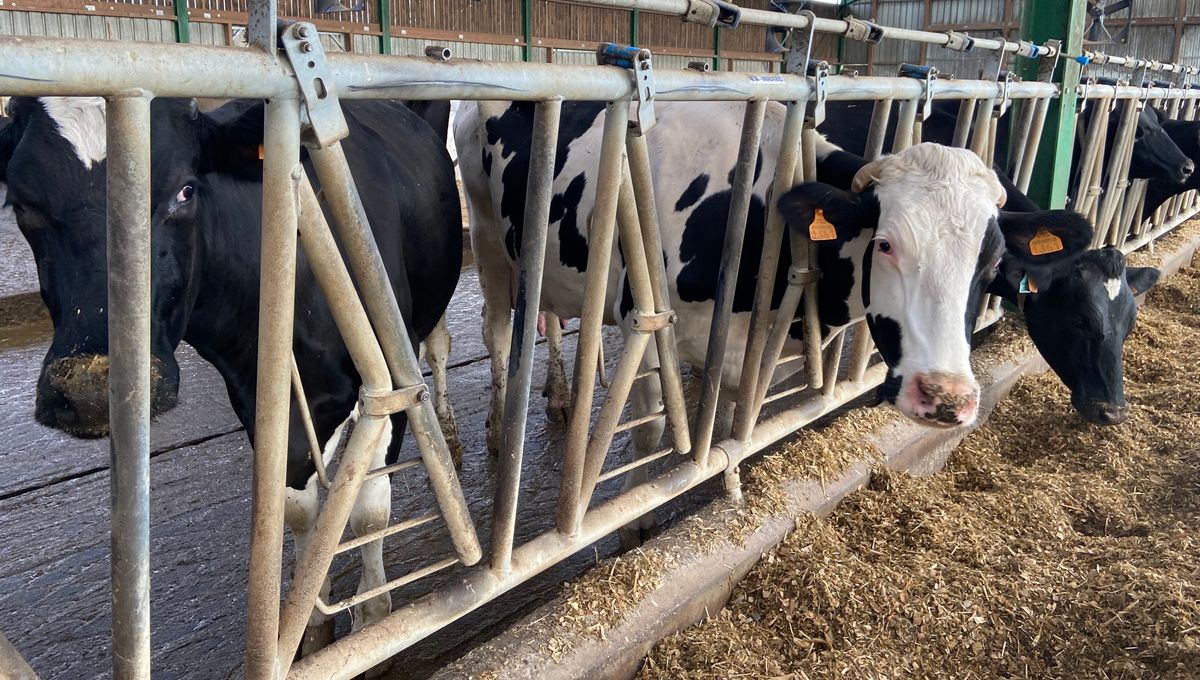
[[633, 27], [384, 14], [182, 25], [716, 49], [527, 29], [1064, 20]]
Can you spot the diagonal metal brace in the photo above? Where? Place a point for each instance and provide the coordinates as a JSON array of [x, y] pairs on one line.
[[325, 123], [387, 402]]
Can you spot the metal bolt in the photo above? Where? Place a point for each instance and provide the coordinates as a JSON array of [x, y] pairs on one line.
[[306, 47], [302, 31]]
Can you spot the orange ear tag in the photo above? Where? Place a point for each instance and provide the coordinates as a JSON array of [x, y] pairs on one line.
[[1044, 242], [821, 229], [260, 152]]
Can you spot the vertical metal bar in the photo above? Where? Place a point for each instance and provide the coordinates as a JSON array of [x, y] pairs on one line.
[[785, 170], [878, 130], [905, 124], [539, 190], [804, 254], [587, 352], [668, 356], [527, 30], [261, 25], [128, 176], [983, 127], [281, 172], [358, 243], [731, 257], [962, 124], [1093, 151], [1017, 140], [182, 32], [1032, 144], [1117, 170], [634, 17], [833, 360], [384, 12]]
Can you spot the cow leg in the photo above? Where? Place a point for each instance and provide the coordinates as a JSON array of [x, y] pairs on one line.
[[558, 389], [371, 512], [437, 347], [495, 279], [645, 397]]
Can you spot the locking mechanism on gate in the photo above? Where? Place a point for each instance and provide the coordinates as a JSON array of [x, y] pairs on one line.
[[928, 76], [713, 13], [636, 59], [325, 123]]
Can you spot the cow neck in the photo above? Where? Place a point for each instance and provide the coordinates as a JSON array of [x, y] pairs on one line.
[[223, 324]]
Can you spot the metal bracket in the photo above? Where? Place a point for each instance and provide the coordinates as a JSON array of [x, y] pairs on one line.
[[800, 46], [1082, 103], [638, 60], [713, 13], [1047, 67], [928, 76], [1008, 78], [648, 322], [863, 31], [819, 72], [322, 115], [386, 403], [803, 277], [959, 42]]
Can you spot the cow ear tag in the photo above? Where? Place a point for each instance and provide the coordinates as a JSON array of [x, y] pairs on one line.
[[821, 229], [1027, 285], [1044, 242], [260, 152]]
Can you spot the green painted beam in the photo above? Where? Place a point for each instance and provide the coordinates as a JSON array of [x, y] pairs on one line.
[[384, 13], [1063, 20], [716, 60], [182, 24], [527, 29], [634, 29]]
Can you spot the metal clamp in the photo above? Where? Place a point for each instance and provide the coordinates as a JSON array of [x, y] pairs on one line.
[[1082, 102], [928, 76], [1007, 79], [713, 13], [819, 72], [385, 403], [637, 59], [1028, 50], [648, 322], [959, 42], [863, 31], [322, 115], [803, 277]]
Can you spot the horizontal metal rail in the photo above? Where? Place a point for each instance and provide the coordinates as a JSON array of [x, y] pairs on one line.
[[640, 462], [331, 609], [758, 17]]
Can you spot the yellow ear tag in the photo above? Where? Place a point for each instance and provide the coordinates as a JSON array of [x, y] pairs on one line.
[[1044, 242], [821, 229], [260, 152]]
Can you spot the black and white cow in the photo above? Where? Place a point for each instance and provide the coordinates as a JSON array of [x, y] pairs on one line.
[[1078, 311], [918, 236], [206, 203]]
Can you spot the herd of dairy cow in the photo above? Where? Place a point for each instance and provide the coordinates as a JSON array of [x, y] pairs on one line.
[[920, 237]]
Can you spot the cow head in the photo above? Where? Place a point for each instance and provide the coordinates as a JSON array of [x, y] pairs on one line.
[[1155, 155], [929, 236], [1079, 313], [53, 161]]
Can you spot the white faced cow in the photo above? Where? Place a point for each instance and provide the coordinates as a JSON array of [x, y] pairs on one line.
[[206, 210], [918, 238]]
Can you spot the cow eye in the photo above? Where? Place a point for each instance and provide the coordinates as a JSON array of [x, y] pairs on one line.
[[884, 246], [185, 194]]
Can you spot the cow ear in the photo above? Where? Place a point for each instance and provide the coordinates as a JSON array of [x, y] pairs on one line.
[[233, 143], [1045, 237], [1141, 279], [828, 213]]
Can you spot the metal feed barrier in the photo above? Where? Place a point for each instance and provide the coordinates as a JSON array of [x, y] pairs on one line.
[[307, 89]]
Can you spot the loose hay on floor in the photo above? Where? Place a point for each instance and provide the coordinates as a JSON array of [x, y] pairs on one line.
[[1047, 548]]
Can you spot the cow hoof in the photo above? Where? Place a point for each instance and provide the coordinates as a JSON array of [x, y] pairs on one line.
[[456, 453], [374, 609], [636, 533], [558, 413], [316, 637]]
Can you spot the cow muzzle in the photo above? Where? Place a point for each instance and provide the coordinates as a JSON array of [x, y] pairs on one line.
[[940, 399], [1103, 413], [1186, 171], [73, 394]]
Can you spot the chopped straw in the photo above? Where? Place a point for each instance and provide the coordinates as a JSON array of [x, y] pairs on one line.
[[1046, 548]]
